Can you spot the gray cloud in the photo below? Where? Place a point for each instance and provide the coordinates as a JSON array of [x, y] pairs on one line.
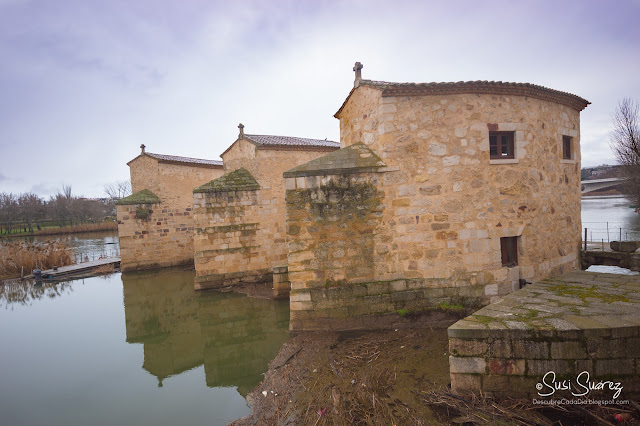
[[84, 84]]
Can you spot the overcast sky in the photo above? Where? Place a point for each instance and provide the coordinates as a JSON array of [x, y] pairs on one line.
[[83, 83]]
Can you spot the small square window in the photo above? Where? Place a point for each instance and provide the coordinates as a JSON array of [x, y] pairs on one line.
[[509, 248], [501, 145], [567, 141]]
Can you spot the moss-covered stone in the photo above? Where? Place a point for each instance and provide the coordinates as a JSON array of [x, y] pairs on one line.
[[141, 197], [237, 180]]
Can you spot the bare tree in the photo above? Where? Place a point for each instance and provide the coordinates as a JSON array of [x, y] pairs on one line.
[[31, 209], [118, 189], [8, 211], [60, 206], [625, 143]]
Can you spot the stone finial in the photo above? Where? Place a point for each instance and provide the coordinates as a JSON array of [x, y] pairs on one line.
[[142, 147], [358, 69], [241, 127]]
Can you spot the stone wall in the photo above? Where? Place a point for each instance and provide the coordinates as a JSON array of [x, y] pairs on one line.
[[232, 244], [511, 364], [240, 234], [334, 218], [165, 238], [583, 327], [446, 204], [152, 234]]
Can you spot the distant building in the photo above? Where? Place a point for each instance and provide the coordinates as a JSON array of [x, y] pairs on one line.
[[155, 223]]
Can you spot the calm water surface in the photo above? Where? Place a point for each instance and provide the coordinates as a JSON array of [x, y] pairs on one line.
[[132, 349], [88, 245], [147, 349], [614, 213]]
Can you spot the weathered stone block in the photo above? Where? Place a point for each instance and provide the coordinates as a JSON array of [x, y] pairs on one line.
[[530, 349], [539, 367], [568, 350], [624, 246], [614, 367], [465, 347], [506, 366], [466, 383], [467, 365]]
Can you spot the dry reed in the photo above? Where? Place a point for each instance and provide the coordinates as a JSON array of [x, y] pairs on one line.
[[16, 255]]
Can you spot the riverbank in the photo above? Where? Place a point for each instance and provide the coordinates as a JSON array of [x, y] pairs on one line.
[[74, 229], [398, 376]]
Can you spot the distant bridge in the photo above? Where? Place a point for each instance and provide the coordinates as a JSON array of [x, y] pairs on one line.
[[597, 184]]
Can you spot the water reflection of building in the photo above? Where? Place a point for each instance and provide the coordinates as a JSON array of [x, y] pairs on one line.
[[235, 337], [239, 337]]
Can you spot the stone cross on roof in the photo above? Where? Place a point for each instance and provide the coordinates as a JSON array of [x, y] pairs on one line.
[[358, 69], [241, 127], [142, 147]]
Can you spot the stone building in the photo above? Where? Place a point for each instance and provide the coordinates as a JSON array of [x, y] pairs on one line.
[[155, 224], [442, 193], [239, 218]]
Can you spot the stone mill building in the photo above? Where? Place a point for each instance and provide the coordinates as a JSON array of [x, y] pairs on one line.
[[155, 224], [240, 229], [441, 193]]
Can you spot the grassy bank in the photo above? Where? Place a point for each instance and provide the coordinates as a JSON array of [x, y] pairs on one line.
[[61, 230], [16, 255]]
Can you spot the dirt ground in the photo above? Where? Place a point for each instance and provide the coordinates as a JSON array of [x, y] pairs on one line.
[[389, 377], [353, 378]]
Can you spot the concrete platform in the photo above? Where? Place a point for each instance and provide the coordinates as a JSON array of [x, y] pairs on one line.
[[581, 321]]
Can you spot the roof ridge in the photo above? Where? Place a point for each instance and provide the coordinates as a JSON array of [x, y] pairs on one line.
[[249, 136], [473, 86], [154, 154]]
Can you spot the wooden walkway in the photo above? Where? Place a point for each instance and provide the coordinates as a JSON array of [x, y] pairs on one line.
[[80, 267]]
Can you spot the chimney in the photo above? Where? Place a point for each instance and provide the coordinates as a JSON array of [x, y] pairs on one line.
[[358, 69], [142, 147], [241, 134]]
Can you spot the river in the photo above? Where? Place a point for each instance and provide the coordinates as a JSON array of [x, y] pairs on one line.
[[145, 348], [133, 349], [608, 219]]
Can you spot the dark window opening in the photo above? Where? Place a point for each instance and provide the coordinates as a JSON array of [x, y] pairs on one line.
[[509, 248], [501, 145], [566, 147]]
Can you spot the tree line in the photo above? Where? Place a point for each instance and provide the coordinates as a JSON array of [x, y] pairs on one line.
[[625, 142], [27, 212]]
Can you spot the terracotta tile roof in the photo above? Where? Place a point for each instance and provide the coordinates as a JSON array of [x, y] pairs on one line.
[[483, 87], [290, 141], [174, 159]]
